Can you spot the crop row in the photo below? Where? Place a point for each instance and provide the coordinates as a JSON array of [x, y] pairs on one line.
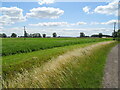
[[12, 46]]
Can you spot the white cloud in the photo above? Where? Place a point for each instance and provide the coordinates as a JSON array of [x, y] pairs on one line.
[[50, 24], [81, 23], [94, 23], [86, 9], [111, 22], [45, 12], [8, 31], [41, 2], [85, 29], [5, 20], [57, 24], [1, 27], [11, 15], [110, 9]]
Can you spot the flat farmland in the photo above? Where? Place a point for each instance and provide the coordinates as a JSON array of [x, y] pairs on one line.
[[54, 62], [19, 45]]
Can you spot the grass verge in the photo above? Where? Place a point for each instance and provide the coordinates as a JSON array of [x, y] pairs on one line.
[[81, 68], [25, 61]]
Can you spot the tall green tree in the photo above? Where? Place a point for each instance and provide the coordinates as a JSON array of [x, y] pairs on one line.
[[25, 34], [114, 34], [4, 35], [44, 35], [0, 35], [100, 35], [54, 34], [13, 35], [82, 34]]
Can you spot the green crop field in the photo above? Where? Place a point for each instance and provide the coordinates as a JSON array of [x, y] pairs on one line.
[[33, 62], [19, 45]]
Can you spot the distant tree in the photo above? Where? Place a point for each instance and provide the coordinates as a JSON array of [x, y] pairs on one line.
[[0, 35], [106, 36], [54, 35], [100, 35], [95, 35], [114, 34], [118, 35], [13, 35], [25, 34], [4, 35], [44, 35], [82, 34], [36, 35]]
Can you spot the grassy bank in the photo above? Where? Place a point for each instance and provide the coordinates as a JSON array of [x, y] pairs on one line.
[[17, 63], [80, 68], [19, 45]]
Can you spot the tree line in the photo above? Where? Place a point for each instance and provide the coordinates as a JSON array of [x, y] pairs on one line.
[[35, 35], [115, 35]]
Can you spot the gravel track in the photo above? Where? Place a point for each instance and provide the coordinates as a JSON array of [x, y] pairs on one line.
[[110, 79]]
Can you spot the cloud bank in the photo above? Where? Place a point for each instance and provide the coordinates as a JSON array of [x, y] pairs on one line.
[[110, 9], [50, 24], [57, 24], [11, 15], [45, 12]]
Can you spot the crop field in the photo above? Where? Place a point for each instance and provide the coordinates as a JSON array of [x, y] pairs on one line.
[[14, 46], [54, 62]]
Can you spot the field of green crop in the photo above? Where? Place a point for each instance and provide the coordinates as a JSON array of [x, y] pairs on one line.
[[24, 62], [19, 45]]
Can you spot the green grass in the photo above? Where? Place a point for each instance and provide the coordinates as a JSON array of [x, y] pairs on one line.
[[82, 71], [17, 63], [89, 72], [19, 45]]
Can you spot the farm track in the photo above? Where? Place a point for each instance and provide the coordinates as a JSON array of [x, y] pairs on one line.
[[51, 68], [110, 79]]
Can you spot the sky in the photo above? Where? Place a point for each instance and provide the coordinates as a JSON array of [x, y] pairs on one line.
[[64, 18]]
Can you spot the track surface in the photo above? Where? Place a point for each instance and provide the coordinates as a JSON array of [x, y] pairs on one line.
[[110, 79]]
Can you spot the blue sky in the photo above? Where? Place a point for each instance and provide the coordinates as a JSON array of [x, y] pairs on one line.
[[78, 20]]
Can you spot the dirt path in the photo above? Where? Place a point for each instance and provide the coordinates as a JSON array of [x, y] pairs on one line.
[[110, 79]]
